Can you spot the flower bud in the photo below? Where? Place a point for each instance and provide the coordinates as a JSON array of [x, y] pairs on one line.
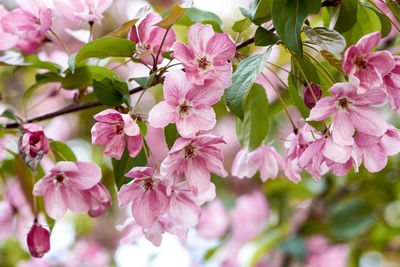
[[38, 240], [308, 96]]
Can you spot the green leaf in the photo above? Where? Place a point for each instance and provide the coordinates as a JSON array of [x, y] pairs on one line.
[[395, 8], [327, 39], [386, 25], [253, 129], [125, 164], [9, 114], [176, 13], [111, 92], [351, 218], [144, 82], [367, 22], [293, 246], [259, 12], [71, 62], [62, 152], [124, 29], [241, 25], [288, 17], [83, 76], [143, 127], [37, 63], [167, 55], [171, 134], [264, 37], [106, 47], [194, 15], [246, 73], [346, 18]]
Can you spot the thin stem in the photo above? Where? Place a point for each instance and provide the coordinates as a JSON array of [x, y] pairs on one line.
[[137, 102], [283, 103], [305, 77], [159, 50], [324, 71], [391, 21], [35, 211], [279, 67], [279, 78], [60, 41], [147, 151]]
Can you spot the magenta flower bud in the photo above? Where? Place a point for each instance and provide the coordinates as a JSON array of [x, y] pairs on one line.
[[38, 240], [308, 96]]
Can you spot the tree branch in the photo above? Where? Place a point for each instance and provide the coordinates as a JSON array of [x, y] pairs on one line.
[[82, 106]]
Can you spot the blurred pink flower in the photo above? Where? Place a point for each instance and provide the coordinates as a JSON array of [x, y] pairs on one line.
[[148, 194], [38, 240], [66, 187], [100, 199], [88, 254], [368, 68], [214, 220], [111, 131], [264, 159], [207, 55], [148, 38], [80, 10], [185, 104], [196, 158], [8, 40], [322, 254]]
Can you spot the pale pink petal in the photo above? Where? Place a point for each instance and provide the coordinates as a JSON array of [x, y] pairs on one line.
[[127, 193], [162, 114], [246, 164], [55, 201], [369, 77], [391, 142], [41, 186], [198, 36], [77, 201], [348, 58], [89, 174], [368, 120], [382, 61], [343, 128], [102, 133], [368, 42], [324, 108], [373, 96], [109, 116], [196, 120], [135, 144], [140, 172], [374, 158], [176, 87], [336, 152], [269, 167], [221, 48], [8, 40], [185, 55], [343, 89], [197, 176], [130, 126], [115, 147]]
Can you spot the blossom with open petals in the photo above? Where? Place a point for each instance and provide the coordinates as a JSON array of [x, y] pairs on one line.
[[207, 55], [80, 10]]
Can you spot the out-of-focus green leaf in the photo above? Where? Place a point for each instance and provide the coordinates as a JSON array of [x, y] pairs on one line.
[[106, 47], [83, 76], [171, 134], [241, 25], [288, 17], [395, 8], [37, 63], [327, 39], [351, 218], [125, 164], [246, 73], [293, 246], [194, 15], [253, 129], [41, 78], [386, 25], [9, 114], [264, 37], [176, 13], [111, 92], [346, 18], [144, 82], [61, 151]]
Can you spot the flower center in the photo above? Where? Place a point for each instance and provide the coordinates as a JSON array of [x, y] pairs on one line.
[[203, 63], [344, 103], [147, 184], [143, 50], [119, 127], [189, 151], [59, 178], [360, 62], [184, 108]]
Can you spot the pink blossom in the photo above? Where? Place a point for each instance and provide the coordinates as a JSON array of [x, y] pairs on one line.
[[375, 150], [29, 23], [214, 221], [183, 206], [38, 240], [196, 158], [265, 159], [113, 129], [350, 110], [34, 141], [392, 84], [66, 187], [148, 194], [251, 210], [91, 254], [133, 231], [207, 55], [367, 67], [185, 104], [8, 40], [79, 10], [100, 199], [322, 254], [148, 38]]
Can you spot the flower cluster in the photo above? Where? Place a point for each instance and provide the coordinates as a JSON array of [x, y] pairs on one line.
[[358, 131]]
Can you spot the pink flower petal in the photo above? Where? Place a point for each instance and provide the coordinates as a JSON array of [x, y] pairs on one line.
[[162, 114], [324, 108], [135, 144], [343, 128], [368, 42], [198, 36]]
